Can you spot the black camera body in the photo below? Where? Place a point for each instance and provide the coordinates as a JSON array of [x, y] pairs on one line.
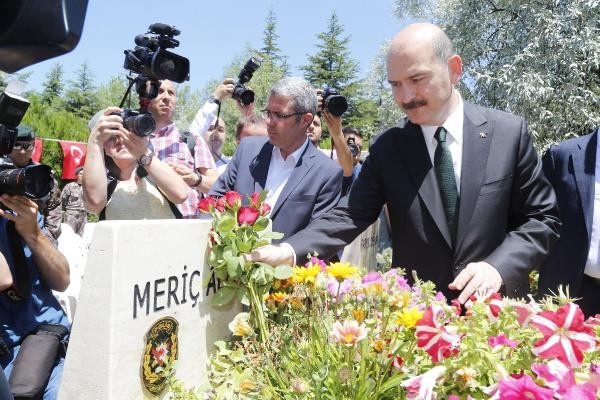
[[240, 92], [139, 122], [334, 102], [351, 142], [34, 181]]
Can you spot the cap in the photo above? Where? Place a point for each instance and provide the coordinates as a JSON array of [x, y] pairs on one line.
[[25, 133], [78, 170]]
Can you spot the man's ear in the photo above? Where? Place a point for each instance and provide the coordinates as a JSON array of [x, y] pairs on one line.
[[307, 119], [455, 68]]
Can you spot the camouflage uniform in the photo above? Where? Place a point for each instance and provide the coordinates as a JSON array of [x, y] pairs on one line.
[[72, 202], [50, 208]]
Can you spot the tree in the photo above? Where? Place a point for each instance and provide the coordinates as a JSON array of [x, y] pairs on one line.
[[53, 86], [537, 59], [81, 98], [270, 52]]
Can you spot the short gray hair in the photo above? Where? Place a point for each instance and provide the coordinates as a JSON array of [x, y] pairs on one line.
[[304, 98]]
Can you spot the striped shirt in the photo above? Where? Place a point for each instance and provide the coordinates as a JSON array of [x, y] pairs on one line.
[[169, 147]]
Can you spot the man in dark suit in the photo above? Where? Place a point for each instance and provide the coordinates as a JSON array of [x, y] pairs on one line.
[[469, 206], [303, 183], [574, 262]]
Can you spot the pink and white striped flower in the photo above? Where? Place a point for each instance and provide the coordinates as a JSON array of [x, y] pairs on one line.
[[438, 340], [421, 386], [565, 335]]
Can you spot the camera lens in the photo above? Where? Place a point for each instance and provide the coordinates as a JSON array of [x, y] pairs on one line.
[[336, 105], [141, 125]]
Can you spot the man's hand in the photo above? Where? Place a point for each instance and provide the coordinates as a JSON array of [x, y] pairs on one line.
[[225, 89], [137, 145], [107, 127], [273, 254], [188, 175], [478, 278], [25, 217]]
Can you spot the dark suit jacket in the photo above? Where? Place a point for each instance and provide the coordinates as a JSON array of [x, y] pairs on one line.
[[312, 189], [507, 213], [570, 168]]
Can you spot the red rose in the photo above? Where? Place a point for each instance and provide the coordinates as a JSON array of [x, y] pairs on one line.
[[255, 199], [247, 216], [207, 205], [233, 199], [221, 204], [265, 209]]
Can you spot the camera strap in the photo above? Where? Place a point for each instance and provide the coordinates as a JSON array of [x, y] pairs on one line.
[[21, 287]]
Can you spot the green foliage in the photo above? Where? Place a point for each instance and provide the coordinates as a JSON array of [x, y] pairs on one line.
[[53, 86], [270, 52], [537, 59], [81, 98]]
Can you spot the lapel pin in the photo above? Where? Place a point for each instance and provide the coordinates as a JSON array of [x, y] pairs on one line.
[[482, 135]]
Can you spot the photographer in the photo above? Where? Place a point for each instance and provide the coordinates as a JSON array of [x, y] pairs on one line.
[[130, 194], [30, 268], [49, 206]]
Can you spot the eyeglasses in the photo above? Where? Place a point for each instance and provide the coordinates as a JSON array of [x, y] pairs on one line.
[[276, 116], [23, 146]]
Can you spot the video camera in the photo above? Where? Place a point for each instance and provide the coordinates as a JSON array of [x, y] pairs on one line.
[[34, 181], [334, 102], [351, 142], [240, 92], [152, 63]]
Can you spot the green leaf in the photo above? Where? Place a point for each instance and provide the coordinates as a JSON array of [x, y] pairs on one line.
[[260, 224], [223, 296], [272, 235], [226, 224], [234, 269], [283, 272], [243, 246]]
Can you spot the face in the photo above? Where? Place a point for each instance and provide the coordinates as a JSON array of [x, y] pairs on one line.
[[215, 137], [286, 133], [116, 150], [19, 155], [80, 177], [422, 85], [162, 107], [315, 130], [358, 142], [252, 130]]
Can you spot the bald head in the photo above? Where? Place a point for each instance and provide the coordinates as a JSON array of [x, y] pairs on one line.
[[425, 37]]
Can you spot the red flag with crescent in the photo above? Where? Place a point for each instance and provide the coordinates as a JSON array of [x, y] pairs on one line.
[[37, 150], [73, 157]]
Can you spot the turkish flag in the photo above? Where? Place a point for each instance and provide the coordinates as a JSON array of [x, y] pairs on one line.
[[73, 157], [37, 151]]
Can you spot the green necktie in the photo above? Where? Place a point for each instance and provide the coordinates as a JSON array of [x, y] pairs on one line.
[[444, 172]]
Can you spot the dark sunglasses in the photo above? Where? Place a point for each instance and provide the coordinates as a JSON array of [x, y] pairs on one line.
[[23, 146]]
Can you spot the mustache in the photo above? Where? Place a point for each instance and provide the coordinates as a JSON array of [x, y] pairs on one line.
[[414, 104]]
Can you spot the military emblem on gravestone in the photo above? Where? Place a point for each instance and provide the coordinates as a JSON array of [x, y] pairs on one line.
[[160, 354]]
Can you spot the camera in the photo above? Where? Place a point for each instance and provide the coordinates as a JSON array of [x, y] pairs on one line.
[[139, 122], [351, 142], [240, 92], [334, 102], [34, 181], [152, 63]]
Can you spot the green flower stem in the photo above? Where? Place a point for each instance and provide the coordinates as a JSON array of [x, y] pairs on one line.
[[259, 315]]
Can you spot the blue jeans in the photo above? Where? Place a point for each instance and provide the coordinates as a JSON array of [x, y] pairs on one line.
[[51, 391]]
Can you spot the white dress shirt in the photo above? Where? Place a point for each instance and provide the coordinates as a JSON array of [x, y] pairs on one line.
[[592, 266], [454, 139], [280, 171]]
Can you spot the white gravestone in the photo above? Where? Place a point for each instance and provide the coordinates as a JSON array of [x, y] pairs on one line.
[[137, 273]]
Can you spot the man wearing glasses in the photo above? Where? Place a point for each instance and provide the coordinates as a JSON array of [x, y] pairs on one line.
[[50, 206], [302, 182]]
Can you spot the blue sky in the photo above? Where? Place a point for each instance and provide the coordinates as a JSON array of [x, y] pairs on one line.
[[214, 32]]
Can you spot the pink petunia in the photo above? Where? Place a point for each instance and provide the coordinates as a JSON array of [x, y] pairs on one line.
[[438, 340], [501, 340], [421, 386], [523, 388], [565, 335]]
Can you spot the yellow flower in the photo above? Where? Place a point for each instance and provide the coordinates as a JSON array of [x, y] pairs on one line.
[[400, 300], [240, 326], [279, 297], [409, 317], [341, 271], [378, 345], [306, 274], [296, 303], [358, 315], [247, 386]]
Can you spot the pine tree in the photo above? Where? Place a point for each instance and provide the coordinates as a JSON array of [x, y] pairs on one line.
[[81, 98], [332, 64], [53, 86], [270, 52]]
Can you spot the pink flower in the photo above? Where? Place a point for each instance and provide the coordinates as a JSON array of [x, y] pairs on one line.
[[523, 388], [316, 261], [565, 335], [501, 340], [580, 392], [525, 311], [349, 333], [233, 199], [221, 204], [247, 216], [421, 386], [264, 209], [438, 340], [207, 205], [553, 373], [344, 287], [255, 199]]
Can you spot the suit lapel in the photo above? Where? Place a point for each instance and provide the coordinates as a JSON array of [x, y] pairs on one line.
[[584, 168], [302, 167], [413, 150], [259, 168], [477, 137]]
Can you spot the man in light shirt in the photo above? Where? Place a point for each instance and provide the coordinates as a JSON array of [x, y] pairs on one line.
[[469, 206], [573, 169], [303, 183]]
